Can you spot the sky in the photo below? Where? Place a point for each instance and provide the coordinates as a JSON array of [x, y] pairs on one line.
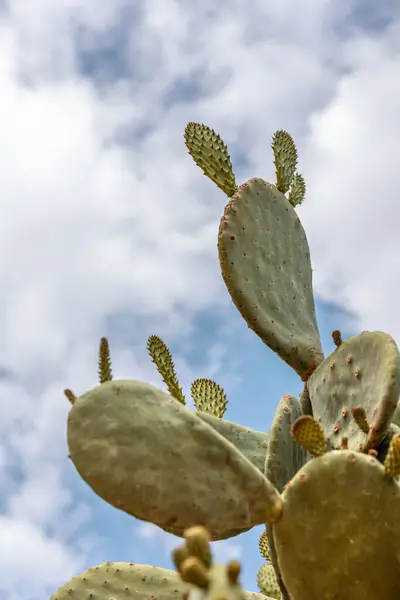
[[108, 228]]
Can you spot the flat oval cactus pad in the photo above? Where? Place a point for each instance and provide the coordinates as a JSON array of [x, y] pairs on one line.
[[120, 581], [339, 534], [265, 263], [128, 581], [143, 452]]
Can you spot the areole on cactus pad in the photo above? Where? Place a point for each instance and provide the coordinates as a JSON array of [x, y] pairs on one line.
[[326, 479]]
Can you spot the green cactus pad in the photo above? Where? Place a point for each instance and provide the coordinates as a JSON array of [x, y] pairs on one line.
[[297, 190], [263, 546], [161, 356], [339, 534], [125, 581], [265, 263], [122, 581], [105, 370], [364, 371], [209, 397], [285, 159], [309, 434], [284, 458], [144, 453], [210, 153], [253, 444], [266, 581]]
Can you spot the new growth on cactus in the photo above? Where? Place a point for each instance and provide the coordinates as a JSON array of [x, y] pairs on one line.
[[325, 480]]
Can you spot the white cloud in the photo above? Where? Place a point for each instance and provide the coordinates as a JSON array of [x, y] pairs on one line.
[[352, 214], [227, 550], [148, 531], [32, 563], [104, 223]]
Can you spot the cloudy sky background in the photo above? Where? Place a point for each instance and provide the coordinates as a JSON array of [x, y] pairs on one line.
[[108, 227]]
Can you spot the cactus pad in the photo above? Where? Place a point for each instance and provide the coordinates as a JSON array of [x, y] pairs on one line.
[[285, 159], [122, 581], [162, 358], [266, 581], [363, 371], [309, 434], [253, 444], [265, 263], [105, 371], [144, 453], [297, 190], [209, 397], [341, 513], [125, 581], [284, 458], [263, 546], [210, 153], [360, 417]]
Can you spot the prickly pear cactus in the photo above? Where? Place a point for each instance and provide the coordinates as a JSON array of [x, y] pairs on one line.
[[325, 480], [265, 263]]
